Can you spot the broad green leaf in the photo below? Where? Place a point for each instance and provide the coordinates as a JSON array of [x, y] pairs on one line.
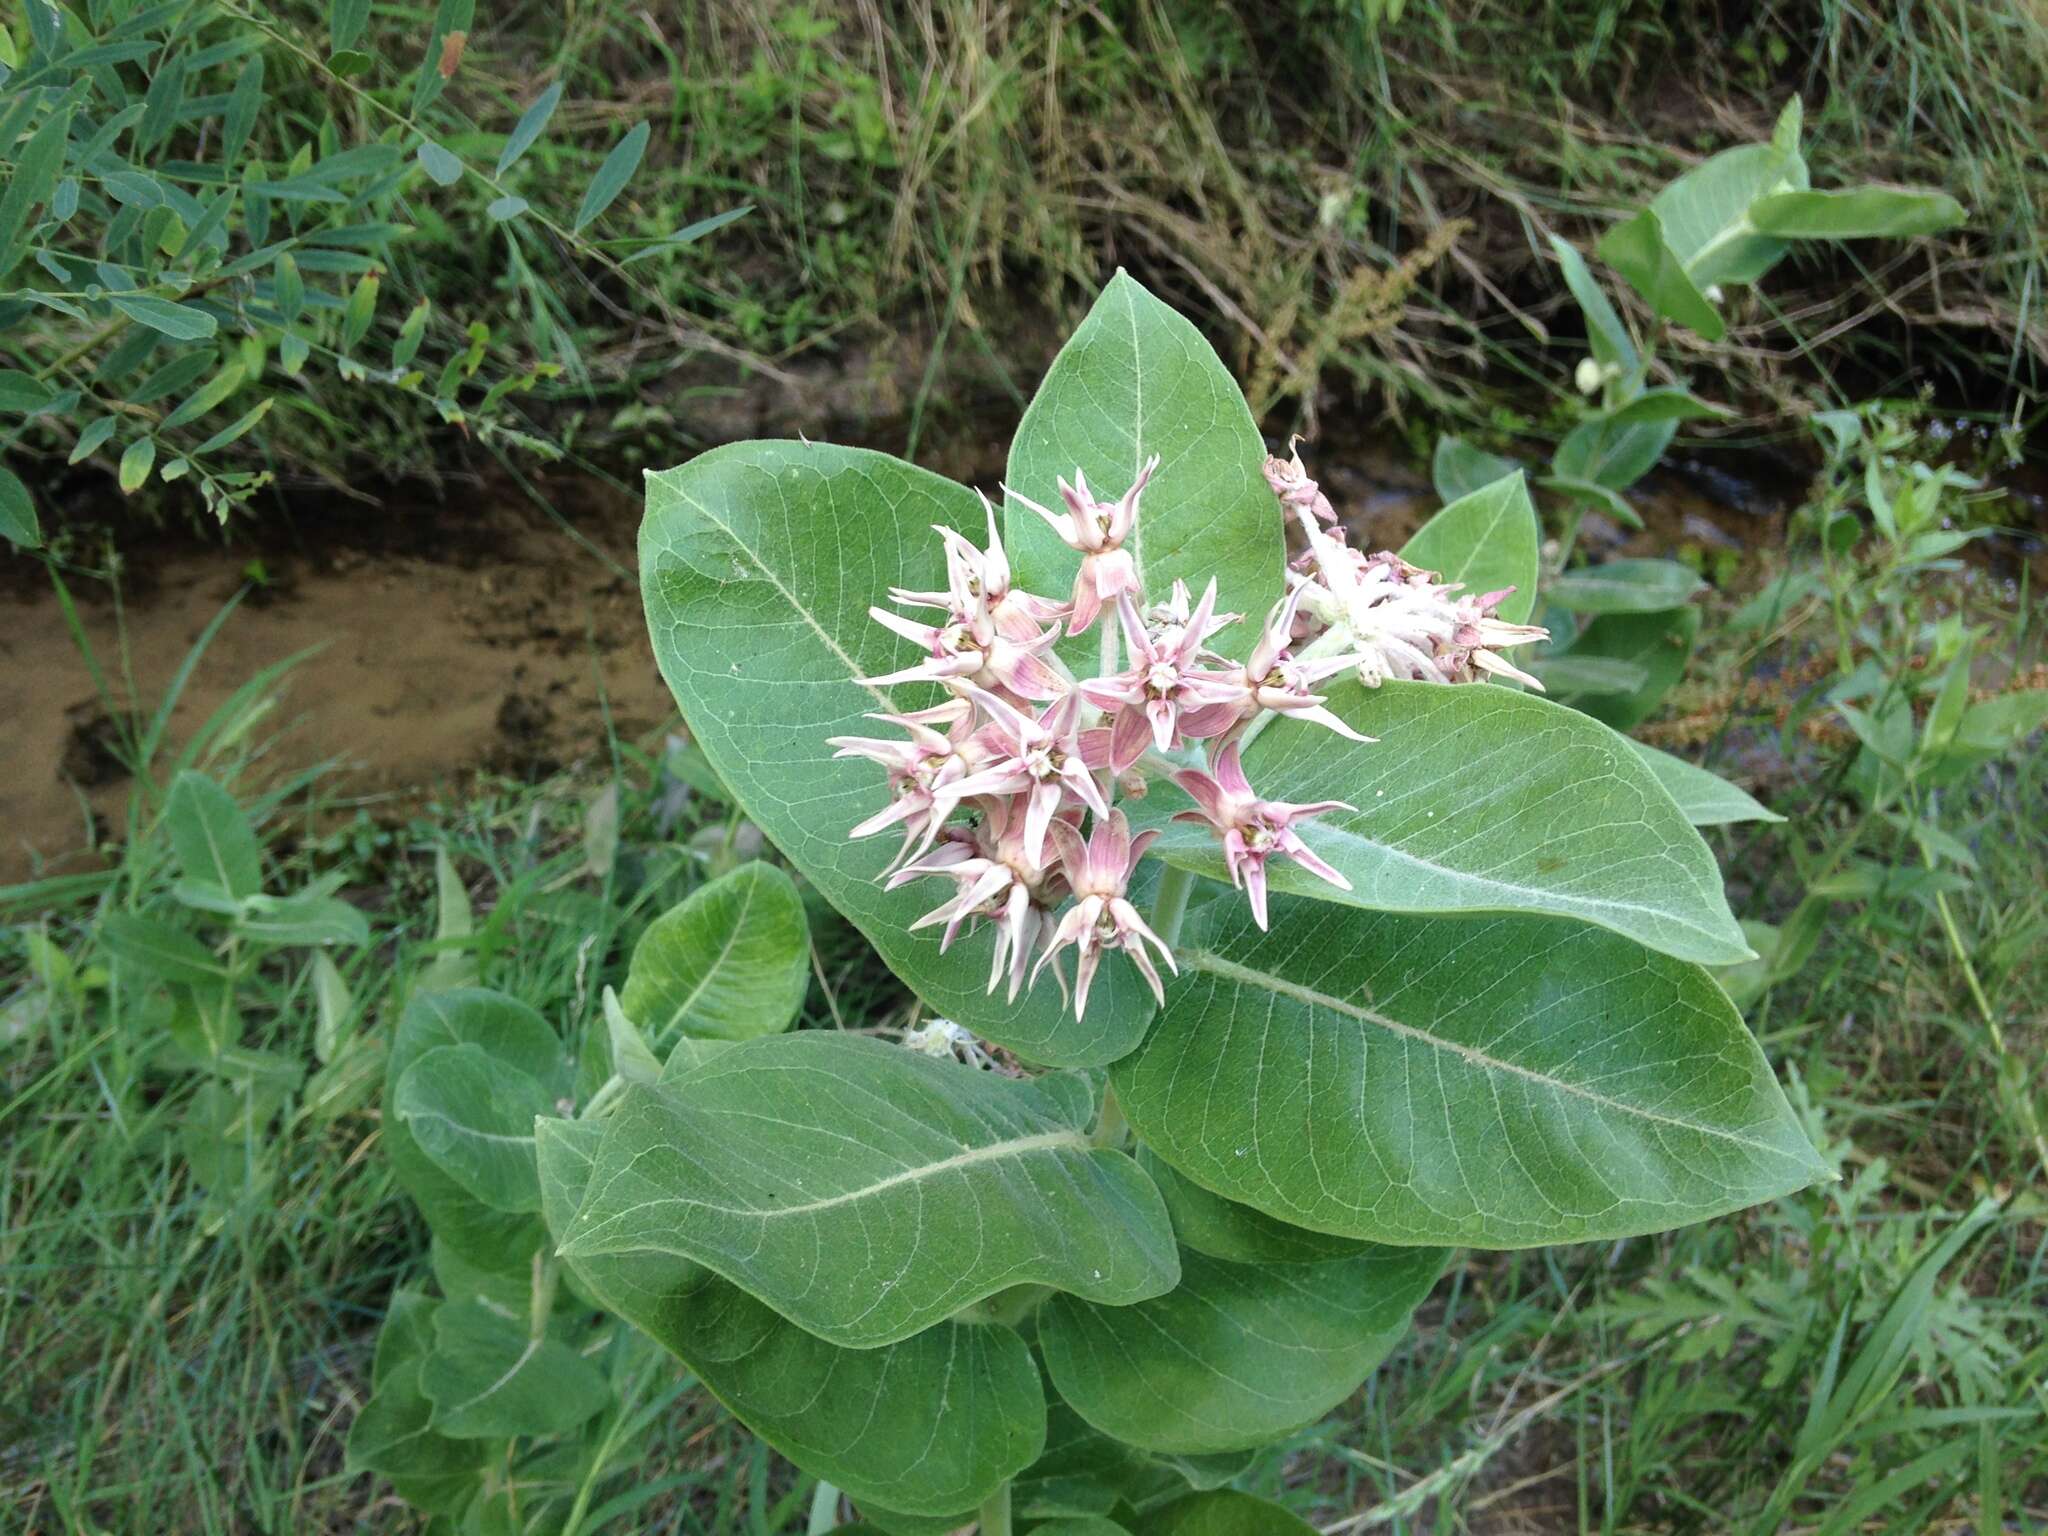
[[1458, 469], [867, 1192], [730, 963], [207, 396], [290, 289], [1079, 1525], [1857, 213], [360, 309], [473, 1115], [1605, 334], [612, 175], [512, 1034], [394, 1437], [1592, 494], [1639, 252], [1500, 1083], [490, 1377], [1222, 1513], [1486, 539], [758, 564], [33, 179], [19, 524], [507, 207], [532, 123], [1568, 676], [694, 231], [92, 439], [212, 839], [1481, 800], [1626, 586], [454, 963], [1236, 1355], [930, 1425], [345, 22], [307, 917], [239, 428], [1706, 216], [442, 167], [1223, 1229], [23, 394], [159, 949], [1659, 643], [1707, 799], [407, 1334], [243, 104], [1613, 453], [180, 322], [1137, 379]]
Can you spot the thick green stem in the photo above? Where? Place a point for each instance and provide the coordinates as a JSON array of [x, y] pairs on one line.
[[1171, 904], [824, 1509], [995, 1513]]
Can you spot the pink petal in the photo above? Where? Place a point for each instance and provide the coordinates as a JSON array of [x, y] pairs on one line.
[[1128, 737]]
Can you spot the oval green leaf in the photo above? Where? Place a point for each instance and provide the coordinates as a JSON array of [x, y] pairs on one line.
[[758, 565], [866, 1192], [1236, 1355], [731, 962], [514, 1035], [930, 1425], [490, 1377], [1706, 799], [1137, 379], [1626, 586], [473, 1115], [1206, 1222], [1486, 539], [1498, 1084], [1480, 799]]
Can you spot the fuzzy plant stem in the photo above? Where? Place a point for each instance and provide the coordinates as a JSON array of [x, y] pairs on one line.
[[995, 1513], [824, 1509]]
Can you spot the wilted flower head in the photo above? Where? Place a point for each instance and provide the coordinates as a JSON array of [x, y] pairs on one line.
[[1290, 482]]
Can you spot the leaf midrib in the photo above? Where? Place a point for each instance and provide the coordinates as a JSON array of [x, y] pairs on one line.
[[1017, 1146], [1244, 975]]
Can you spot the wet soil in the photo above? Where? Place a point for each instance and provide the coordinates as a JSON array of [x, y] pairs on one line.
[[438, 638], [451, 630]]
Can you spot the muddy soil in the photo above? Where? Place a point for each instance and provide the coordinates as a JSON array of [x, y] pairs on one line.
[[441, 637]]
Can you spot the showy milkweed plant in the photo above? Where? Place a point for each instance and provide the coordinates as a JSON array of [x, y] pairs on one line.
[[1270, 934]]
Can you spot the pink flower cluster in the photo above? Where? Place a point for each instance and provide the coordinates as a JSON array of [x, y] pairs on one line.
[[1006, 788]]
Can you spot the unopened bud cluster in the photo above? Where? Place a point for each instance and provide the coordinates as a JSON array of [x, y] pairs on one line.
[[1006, 788]]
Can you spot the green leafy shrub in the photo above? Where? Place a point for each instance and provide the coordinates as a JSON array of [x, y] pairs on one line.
[[1139, 1227], [205, 220]]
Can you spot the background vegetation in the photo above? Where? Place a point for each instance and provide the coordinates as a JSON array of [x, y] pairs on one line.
[[197, 1229]]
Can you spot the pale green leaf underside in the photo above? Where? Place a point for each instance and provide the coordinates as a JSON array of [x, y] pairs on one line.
[[473, 1116], [930, 1425], [1483, 800], [511, 1033], [1498, 1083], [1707, 799], [1236, 1355], [1137, 379], [758, 566], [731, 962], [487, 1377], [866, 1192], [1486, 539]]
